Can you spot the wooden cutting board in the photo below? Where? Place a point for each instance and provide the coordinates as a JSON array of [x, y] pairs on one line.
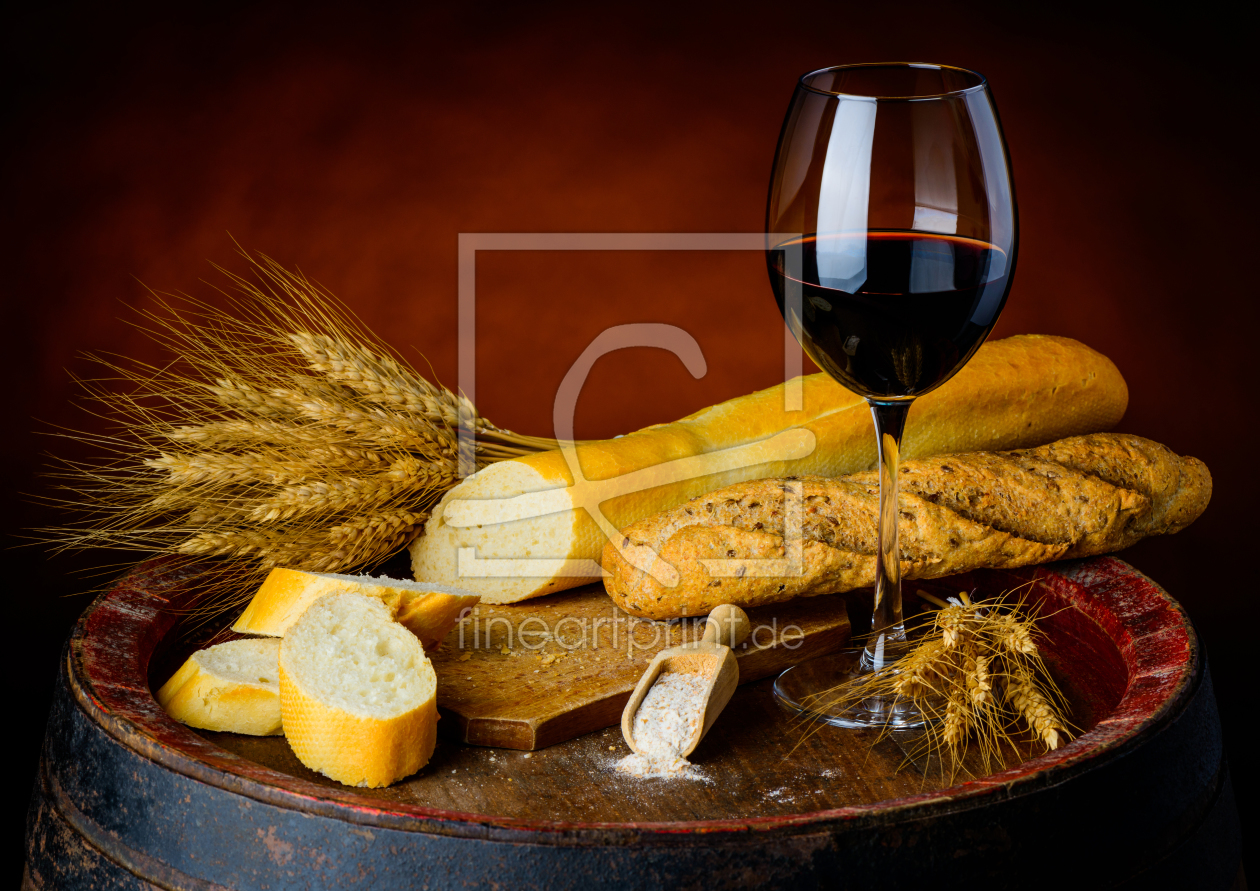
[[529, 675]]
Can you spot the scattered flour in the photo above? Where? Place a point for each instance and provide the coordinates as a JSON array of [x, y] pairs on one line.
[[667, 718]]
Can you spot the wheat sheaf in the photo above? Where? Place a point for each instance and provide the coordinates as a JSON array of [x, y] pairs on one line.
[[975, 674], [281, 433]]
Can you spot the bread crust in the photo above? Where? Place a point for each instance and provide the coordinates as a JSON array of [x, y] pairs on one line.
[[1017, 392], [348, 743], [1073, 498], [353, 749], [286, 593], [199, 698]]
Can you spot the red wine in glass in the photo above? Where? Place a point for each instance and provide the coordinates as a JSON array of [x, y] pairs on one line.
[[925, 306], [891, 244]]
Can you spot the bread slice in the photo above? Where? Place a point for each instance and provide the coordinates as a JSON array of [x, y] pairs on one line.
[[426, 610], [233, 686], [358, 695], [1014, 393]]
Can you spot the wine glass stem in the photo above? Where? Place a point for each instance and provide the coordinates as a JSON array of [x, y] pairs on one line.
[[886, 625]]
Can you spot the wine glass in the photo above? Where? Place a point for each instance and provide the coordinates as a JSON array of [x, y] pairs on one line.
[[891, 247]]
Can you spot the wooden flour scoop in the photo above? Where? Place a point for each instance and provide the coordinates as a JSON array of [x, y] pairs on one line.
[[710, 657]]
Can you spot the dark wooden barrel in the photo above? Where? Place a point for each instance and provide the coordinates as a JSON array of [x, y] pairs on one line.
[[1141, 798]]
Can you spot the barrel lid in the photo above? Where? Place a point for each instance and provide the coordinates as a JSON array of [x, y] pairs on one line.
[[1137, 652]]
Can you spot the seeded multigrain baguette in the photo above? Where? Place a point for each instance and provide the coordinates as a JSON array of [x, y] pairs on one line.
[[1073, 498], [1018, 392]]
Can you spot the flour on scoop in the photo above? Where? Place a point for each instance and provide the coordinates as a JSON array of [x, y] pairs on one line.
[[665, 722]]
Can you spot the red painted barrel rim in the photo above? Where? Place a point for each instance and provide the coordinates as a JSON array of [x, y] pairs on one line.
[[1155, 637]]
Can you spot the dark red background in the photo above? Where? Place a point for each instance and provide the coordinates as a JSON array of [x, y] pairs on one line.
[[357, 144]]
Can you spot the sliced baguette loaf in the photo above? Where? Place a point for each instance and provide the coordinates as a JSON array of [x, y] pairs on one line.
[[428, 611], [1014, 393], [358, 695], [233, 686]]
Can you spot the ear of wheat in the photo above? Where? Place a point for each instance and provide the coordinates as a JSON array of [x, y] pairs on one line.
[[281, 432], [976, 675]]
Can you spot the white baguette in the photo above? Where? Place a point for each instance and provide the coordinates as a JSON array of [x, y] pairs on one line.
[[357, 693], [233, 687], [428, 611], [1014, 393]]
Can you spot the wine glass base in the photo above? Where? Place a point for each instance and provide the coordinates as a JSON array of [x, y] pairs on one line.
[[804, 690]]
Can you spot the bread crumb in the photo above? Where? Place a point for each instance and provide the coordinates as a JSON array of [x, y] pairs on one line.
[[465, 657]]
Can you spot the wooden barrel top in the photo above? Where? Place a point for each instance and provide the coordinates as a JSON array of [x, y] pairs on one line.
[[759, 764], [1122, 649]]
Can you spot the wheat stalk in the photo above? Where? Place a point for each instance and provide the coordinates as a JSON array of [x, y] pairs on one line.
[[1025, 695], [281, 433], [974, 673]]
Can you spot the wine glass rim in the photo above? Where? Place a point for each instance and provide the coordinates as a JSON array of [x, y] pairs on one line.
[[983, 81]]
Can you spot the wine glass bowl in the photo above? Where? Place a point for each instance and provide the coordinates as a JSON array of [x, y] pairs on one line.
[[891, 245], [895, 179], [917, 318]]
